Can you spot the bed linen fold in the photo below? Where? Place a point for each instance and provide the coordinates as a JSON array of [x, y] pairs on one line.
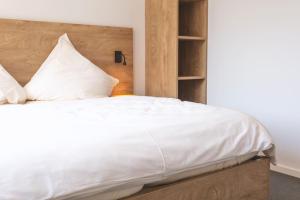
[[55, 149]]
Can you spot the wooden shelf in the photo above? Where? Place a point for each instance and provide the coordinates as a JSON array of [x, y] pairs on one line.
[[188, 1], [178, 49], [192, 50], [191, 38], [185, 78]]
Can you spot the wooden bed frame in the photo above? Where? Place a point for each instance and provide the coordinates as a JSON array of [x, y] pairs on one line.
[[248, 181], [24, 45]]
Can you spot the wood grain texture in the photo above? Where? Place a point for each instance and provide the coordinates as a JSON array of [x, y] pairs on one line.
[[161, 48], [189, 1], [182, 78], [249, 181], [192, 53], [191, 38], [193, 18], [192, 61], [192, 90], [24, 45], [176, 46]]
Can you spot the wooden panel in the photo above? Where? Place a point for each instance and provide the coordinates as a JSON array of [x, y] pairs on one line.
[[249, 181], [185, 53], [191, 38], [161, 47], [24, 45], [188, 1], [191, 78]]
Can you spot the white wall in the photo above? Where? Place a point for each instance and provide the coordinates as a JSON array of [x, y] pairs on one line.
[[254, 66], [125, 13]]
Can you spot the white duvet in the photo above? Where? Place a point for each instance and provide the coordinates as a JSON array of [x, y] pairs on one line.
[[54, 149]]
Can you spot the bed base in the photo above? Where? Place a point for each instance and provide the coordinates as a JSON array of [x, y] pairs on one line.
[[248, 181]]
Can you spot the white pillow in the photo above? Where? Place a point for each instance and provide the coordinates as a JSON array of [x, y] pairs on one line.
[[2, 98], [67, 75], [10, 90]]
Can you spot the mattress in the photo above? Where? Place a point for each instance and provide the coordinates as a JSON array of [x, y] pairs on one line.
[[115, 146], [130, 189]]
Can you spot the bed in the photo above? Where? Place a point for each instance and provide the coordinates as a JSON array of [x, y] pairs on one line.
[[129, 147]]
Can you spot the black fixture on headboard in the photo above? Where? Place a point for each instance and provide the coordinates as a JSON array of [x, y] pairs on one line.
[[119, 56]]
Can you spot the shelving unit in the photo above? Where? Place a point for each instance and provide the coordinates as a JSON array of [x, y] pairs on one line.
[[176, 46], [192, 50]]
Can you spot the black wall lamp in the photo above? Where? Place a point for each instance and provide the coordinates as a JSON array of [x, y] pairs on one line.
[[120, 57]]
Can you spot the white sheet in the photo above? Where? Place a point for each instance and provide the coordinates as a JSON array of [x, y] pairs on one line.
[[130, 189], [53, 149]]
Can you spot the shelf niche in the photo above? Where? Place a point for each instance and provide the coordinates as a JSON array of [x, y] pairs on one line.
[[192, 90], [192, 58], [176, 49], [193, 18]]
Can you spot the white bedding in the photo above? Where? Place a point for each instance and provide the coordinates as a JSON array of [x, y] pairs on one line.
[[54, 149]]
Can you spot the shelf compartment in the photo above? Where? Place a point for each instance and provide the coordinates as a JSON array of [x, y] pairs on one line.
[[193, 18], [186, 78], [192, 90], [192, 58], [192, 38]]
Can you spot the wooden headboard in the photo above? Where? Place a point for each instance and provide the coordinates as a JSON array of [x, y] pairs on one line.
[[24, 45]]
